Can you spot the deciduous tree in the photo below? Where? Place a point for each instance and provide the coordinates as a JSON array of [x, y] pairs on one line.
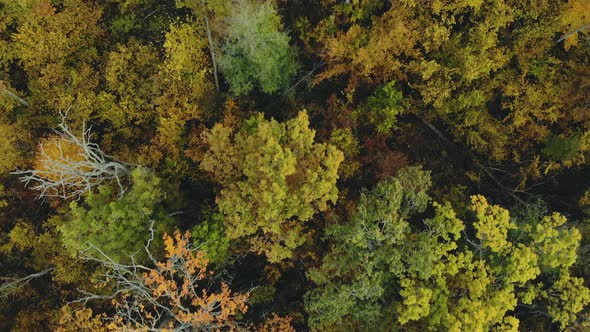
[[119, 225], [172, 294], [255, 52], [274, 177], [448, 275], [69, 166]]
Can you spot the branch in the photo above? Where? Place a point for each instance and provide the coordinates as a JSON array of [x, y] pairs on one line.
[[211, 49], [567, 35], [14, 284], [164, 294], [15, 97]]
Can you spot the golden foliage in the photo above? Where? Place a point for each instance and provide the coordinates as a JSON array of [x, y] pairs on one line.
[[55, 150]]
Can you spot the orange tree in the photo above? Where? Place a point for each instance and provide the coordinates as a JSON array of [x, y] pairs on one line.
[[168, 295]]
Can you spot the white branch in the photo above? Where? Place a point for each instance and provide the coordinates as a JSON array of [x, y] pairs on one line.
[[12, 285]]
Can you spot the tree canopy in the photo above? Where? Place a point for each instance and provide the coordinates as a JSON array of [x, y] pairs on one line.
[[274, 178], [291, 165]]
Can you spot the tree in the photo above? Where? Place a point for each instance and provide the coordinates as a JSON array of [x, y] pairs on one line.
[[57, 47], [204, 8], [130, 75], [350, 279], [120, 226], [255, 52], [274, 178], [183, 88], [172, 294], [10, 286], [499, 94], [68, 167], [14, 141], [210, 233], [383, 107], [443, 274]]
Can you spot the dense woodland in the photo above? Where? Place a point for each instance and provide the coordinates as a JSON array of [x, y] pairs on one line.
[[294, 165]]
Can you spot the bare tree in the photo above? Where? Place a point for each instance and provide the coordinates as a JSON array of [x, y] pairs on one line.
[[567, 35], [171, 295], [68, 176]]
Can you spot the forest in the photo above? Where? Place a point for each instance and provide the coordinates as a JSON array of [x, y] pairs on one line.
[[294, 165]]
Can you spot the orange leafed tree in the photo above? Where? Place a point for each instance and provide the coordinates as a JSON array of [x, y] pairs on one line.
[[172, 295]]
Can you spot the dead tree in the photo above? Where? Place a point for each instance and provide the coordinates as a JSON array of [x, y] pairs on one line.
[[70, 175]]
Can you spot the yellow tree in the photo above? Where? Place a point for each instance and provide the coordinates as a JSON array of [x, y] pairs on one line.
[[183, 88], [490, 70], [57, 47], [444, 275], [274, 177]]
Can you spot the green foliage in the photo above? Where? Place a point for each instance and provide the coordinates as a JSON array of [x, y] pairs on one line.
[[120, 227], [209, 236], [384, 106], [122, 24], [443, 279], [493, 224], [262, 294], [128, 5], [352, 276], [274, 178], [567, 297], [255, 52], [562, 148], [506, 80]]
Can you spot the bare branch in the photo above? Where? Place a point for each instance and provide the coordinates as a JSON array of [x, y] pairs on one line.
[[567, 35], [211, 47], [12, 285]]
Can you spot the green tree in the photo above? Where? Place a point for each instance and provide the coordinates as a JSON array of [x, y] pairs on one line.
[[274, 178], [209, 234], [120, 227], [443, 274], [383, 107], [255, 51]]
